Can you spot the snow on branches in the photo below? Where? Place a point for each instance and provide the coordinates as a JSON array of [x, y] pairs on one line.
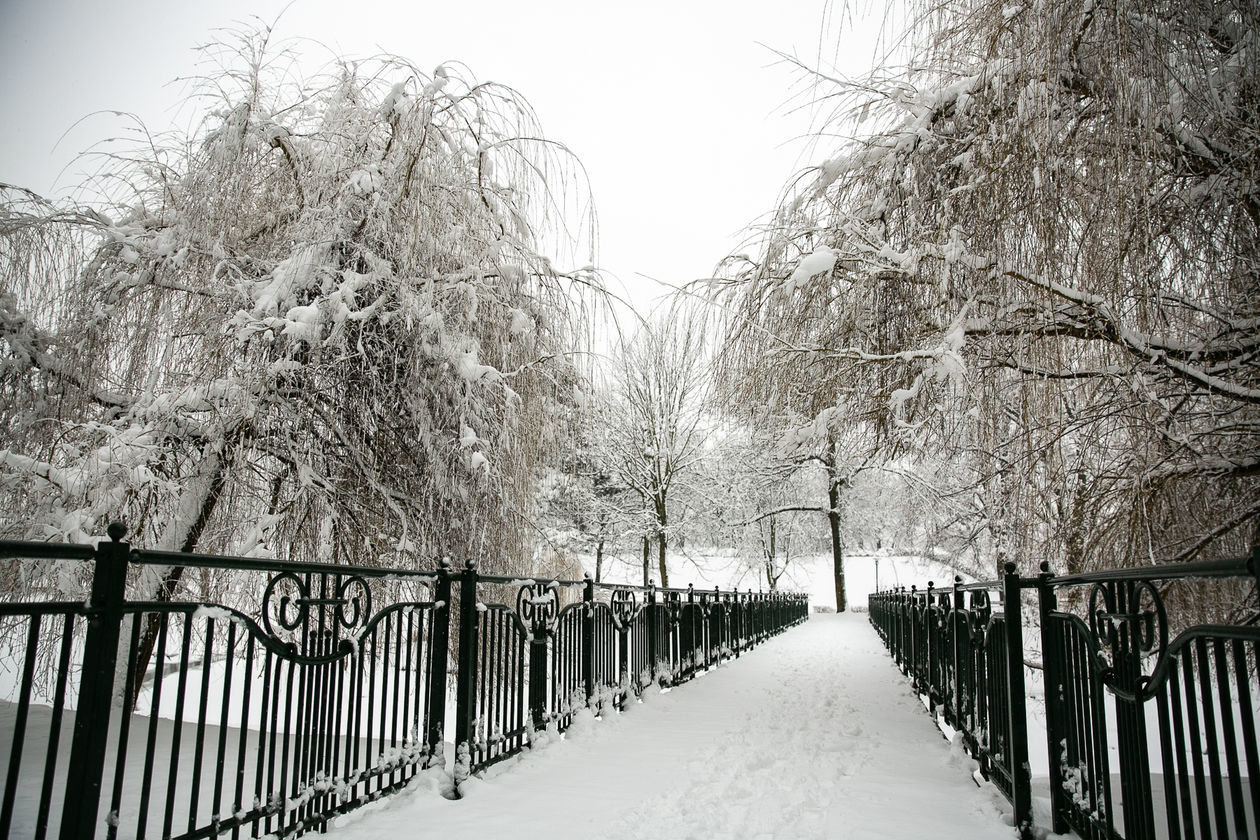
[[328, 305], [1063, 203]]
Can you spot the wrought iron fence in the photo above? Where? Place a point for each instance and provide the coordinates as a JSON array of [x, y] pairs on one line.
[[1147, 738], [169, 718]]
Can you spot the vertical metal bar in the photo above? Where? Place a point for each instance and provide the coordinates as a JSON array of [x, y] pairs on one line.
[[1210, 735], [563, 664], [19, 729], [493, 685], [150, 747], [1135, 774], [931, 644], [273, 688], [54, 731], [1196, 744], [310, 710], [588, 637], [1178, 730], [491, 682], [411, 730], [124, 731], [439, 650], [1054, 679], [465, 681], [383, 636], [354, 718], [398, 664], [224, 720], [957, 628], [538, 676], [518, 692], [650, 609], [1228, 735], [200, 733], [100, 653], [1242, 672], [373, 639], [177, 725], [339, 714], [261, 754], [288, 745], [1021, 774], [298, 721], [1166, 736]]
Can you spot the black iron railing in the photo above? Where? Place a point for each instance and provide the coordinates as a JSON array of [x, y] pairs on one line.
[[328, 689], [1147, 738]]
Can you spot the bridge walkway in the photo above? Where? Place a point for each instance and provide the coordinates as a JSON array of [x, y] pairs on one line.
[[813, 735]]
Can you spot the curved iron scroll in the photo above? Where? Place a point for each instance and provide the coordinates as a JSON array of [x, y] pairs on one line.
[[624, 606], [1126, 621], [538, 605], [673, 607], [288, 603], [979, 611]]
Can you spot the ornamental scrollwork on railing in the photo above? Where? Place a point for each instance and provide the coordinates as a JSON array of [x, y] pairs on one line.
[[940, 610], [290, 609], [698, 599], [537, 604], [979, 611], [624, 606], [1127, 621], [673, 607]]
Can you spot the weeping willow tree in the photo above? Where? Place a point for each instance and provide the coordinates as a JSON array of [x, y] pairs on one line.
[[320, 326], [1035, 265]]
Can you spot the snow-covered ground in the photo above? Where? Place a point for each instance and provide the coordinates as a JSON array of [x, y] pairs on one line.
[[813, 735]]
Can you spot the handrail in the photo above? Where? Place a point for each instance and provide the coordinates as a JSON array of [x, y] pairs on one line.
[[157, 557], [1170, 571], [329, 684], [1100, 669]]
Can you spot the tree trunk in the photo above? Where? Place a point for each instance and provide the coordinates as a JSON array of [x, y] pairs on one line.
[[661, 542], [837, 551], [647, 560], [661, 559], [599, 560], [170, 580]]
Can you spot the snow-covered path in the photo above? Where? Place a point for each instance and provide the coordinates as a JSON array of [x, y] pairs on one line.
[[814, 734]]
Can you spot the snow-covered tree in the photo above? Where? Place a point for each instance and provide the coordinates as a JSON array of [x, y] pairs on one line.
[[1041, 253], [320, 326], [655, 414], [589, 508]]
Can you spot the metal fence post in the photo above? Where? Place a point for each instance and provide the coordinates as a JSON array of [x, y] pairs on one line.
[[439, 652], [912, 606], [1021, 773], [538, 675], [693, 644], [588, 637], [100, 655], [650, 608], [1054, 677], [933, 654], [958, 625], [724, 617], [1135, 778], [466, 673]]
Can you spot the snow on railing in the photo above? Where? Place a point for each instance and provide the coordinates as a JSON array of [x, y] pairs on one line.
[[1179, 718], [316, 687]]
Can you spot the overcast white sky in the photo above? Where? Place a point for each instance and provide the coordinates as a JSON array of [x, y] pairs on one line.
[[680, 111]]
